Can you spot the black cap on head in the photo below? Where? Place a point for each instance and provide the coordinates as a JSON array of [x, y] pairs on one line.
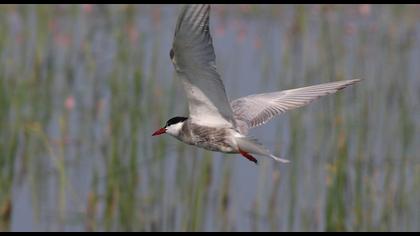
[[175, 120]]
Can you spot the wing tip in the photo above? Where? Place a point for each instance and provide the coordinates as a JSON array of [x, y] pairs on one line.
[[356, 80], [348, 82]]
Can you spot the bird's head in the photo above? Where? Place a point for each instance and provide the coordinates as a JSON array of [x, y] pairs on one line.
[[173, 126]]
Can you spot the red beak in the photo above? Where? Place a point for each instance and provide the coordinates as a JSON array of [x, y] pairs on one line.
[[159, 131]]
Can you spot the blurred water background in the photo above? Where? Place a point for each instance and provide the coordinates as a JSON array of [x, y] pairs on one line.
[[82, 88]]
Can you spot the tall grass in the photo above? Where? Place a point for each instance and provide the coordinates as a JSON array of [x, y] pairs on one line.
[[82, 87]]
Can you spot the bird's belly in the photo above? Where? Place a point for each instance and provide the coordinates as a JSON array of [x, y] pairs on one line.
[[216, 147], [212, 139]]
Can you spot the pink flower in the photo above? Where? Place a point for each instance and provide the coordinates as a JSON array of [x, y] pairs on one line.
[[62, 40], [156, 16], [133, 34], [364, 9], [240, 37], [69, 103], [87, 8], [245, 8]]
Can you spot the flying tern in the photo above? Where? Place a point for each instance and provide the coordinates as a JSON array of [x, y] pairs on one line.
[[213, 122]]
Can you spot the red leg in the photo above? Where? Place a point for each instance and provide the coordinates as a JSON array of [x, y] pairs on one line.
[[248, 156]]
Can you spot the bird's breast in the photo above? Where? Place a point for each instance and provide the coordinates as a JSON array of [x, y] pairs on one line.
[[210, 138]]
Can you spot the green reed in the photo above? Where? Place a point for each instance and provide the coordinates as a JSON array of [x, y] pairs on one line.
[[95, 166]]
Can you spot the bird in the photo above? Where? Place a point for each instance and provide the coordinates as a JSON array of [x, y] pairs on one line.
[[213, 122]]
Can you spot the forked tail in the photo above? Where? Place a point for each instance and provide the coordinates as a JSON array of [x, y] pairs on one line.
[[253, 146]]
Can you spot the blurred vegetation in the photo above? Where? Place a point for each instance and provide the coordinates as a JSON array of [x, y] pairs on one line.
[[82, 87]]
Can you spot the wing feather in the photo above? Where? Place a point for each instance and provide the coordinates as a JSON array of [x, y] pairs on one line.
[[193, 57], [257, 109]]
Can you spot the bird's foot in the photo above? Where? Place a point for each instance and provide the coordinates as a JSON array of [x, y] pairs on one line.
[[248, 156]]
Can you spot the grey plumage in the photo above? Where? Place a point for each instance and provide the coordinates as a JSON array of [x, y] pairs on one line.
[[257, 109], [213, 122], [210, 138], [194, 62]]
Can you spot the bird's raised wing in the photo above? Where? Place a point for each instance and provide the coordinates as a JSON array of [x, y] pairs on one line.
[[193, 57], [257, 109]]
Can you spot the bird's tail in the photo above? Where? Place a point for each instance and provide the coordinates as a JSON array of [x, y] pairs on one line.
[[249, 145]]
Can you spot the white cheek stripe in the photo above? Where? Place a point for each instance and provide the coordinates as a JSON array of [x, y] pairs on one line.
[[174, 129]]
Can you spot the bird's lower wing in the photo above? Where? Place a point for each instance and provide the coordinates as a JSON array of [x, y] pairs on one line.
[[257, 109]]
